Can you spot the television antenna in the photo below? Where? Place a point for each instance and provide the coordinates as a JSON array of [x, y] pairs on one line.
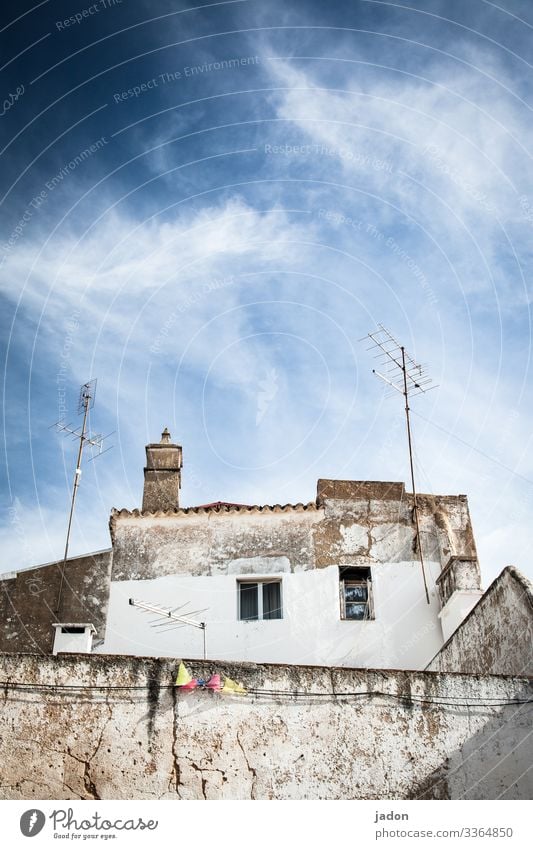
[[166, 615], [96, 441], [409, 378]]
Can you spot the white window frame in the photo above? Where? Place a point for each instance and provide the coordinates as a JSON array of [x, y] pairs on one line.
[[253, 580], [356, 582]]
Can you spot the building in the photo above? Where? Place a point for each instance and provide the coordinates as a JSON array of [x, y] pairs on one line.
[[319, 609], [337, 581]]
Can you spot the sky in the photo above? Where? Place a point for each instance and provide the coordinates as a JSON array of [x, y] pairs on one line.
[[207, 207]]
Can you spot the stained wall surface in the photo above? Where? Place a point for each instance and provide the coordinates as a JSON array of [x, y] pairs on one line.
[[33, 599], [196, 557], [87, 727], [497, 636]]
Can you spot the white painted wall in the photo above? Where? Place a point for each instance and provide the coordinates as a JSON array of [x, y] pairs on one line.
[[456, 609], [405, 634]]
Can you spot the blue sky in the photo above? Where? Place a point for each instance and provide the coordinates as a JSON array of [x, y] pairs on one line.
[[207, 207]]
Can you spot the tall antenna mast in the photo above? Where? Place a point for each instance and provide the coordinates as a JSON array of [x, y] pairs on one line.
[[85, 403], [408, 378]]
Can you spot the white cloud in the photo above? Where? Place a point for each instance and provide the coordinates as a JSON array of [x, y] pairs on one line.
[[122, 254], [166, 306], [467, 147]]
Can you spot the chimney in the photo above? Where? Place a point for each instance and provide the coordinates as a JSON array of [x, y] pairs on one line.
[[162, 475]]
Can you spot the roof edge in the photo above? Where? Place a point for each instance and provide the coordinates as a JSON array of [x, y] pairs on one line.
[[217, 507], [5, 576]]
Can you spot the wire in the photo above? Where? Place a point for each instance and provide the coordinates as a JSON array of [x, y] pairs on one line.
[[398, 696], [478, 450], [481, 701]]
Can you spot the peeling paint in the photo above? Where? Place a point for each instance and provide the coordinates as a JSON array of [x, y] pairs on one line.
[[395, 740], [497, 636]]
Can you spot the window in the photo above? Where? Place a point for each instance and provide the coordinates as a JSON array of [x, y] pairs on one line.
[[259, 600], [356, 593]]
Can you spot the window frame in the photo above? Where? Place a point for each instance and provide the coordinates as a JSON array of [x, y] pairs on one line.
[[259, 582], [363, 579]]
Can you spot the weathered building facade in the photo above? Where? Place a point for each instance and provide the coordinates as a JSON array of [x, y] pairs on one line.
[[205, 556], [336, 581], [497, 635], [318, 608]]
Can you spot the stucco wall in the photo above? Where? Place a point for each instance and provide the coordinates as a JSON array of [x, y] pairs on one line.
[[195, 556], [404, 634], [362, 522], [497, 636], [114, 727], [352, 523], [383, 513], [203, 542], [29, 601]]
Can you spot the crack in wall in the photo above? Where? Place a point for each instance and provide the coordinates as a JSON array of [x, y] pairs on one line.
[[250, 768], [176, 770], [202, 779], [333, 747], [74, 792], [88, 782], [18, 784]]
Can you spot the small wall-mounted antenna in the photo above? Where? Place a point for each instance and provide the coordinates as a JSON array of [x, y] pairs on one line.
[[408, 378], [166, 615], [85, 403]]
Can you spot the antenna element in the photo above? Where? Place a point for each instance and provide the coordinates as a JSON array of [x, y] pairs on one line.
[[85, 403], [408, 378], [166, 615]]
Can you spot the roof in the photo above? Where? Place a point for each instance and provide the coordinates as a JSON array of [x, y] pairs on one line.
[[216, 505], [4, 576]]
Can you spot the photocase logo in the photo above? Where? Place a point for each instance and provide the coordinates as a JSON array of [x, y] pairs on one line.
[[32, 822]]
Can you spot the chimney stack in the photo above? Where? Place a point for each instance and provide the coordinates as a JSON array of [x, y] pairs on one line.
[[162, 475]]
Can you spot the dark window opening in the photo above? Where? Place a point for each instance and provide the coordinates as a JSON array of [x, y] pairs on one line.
[[249, 608], [356, 593], [259, 600], [72, 629]]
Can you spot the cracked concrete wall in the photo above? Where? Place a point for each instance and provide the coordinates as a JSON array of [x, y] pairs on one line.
[[497, 635], [120, 730]]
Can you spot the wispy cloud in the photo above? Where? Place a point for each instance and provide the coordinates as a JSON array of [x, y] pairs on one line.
[[216, 261]]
